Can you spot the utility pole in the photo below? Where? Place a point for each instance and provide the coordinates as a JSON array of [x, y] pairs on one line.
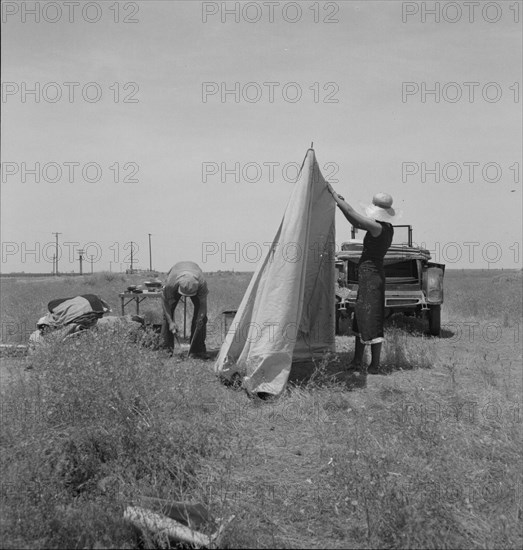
[[56, 254], [131, 257], [54, 260], [150, 255], [80, 257], [91, 258]]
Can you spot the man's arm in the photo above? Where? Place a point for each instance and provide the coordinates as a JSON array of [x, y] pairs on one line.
[[169, 307]]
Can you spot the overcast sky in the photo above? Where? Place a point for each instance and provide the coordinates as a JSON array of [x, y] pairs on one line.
[[139, 93]]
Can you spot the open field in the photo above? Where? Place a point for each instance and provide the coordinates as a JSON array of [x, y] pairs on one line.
[[24, 300], [425, 456]]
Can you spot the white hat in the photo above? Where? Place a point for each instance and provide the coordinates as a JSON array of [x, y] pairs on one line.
[[381, 209], [42, 322]]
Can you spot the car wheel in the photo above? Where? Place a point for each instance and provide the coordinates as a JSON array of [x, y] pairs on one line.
[[435, 320]]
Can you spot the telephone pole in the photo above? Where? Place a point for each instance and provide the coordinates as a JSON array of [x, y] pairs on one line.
[[150, 255], [80, 257], [91, 258], [56, 260]]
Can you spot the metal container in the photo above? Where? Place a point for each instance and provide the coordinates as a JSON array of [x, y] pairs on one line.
[[227, 319]]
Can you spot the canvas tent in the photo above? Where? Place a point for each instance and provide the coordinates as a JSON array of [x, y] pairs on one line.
[[287, 313]]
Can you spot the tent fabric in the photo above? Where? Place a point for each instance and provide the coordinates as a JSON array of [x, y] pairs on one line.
[[287, 313]]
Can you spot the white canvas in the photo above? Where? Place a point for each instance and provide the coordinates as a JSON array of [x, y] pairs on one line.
[[287, 313]]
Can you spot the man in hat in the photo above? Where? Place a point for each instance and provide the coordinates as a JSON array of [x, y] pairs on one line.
[[186, 279]]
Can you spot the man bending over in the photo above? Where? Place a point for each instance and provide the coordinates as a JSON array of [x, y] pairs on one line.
[[185, 279]]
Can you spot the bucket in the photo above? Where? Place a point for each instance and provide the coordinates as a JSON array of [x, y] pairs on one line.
[[227, 318]]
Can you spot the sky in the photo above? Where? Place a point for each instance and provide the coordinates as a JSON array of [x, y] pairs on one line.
[[186, 120]]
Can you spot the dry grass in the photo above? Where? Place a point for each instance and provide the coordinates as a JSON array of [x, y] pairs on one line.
[[424, 456], [97, 423], [483, 295], [23, 300]]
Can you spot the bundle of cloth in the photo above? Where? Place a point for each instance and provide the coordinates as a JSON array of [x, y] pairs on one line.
[[82, 311], [69, 316]]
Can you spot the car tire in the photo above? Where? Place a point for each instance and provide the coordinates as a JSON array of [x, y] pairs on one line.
[[435, 320]]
